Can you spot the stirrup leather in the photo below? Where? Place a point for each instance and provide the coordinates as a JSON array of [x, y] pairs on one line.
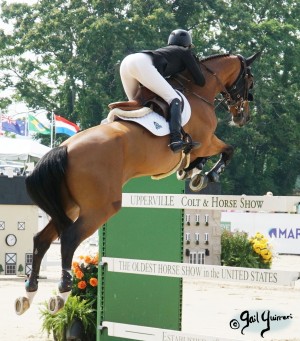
[[189, 144]]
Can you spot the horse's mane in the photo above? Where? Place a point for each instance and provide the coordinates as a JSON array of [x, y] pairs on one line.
[[214, 56]]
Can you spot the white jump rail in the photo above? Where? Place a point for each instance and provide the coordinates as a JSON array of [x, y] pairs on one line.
[[213, 202], [202, 272], [134, 332]]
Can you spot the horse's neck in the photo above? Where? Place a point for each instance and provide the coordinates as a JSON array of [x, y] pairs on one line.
[[219, 73], [223, 72]]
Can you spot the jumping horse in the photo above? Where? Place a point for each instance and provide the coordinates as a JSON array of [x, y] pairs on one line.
[[79, 184]]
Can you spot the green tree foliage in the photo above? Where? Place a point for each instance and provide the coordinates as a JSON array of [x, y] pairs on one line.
[[64, 56], [267, 150]]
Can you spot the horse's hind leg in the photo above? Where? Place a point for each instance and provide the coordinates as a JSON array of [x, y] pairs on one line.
[[41, 243], [70, 239]]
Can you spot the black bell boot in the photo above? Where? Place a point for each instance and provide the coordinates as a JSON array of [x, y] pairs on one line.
[[176, 143]]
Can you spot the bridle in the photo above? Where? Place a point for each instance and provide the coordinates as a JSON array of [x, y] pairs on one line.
[[237, 96]]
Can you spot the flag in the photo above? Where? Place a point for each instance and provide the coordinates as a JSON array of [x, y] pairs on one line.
[[63, 126], [13, 126], [36, 126]]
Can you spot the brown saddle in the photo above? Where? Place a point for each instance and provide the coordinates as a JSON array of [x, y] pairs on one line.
[[143, 98]]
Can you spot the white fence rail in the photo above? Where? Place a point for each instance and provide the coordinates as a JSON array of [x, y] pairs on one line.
[[203, 272], [134, 332], [212, 202]]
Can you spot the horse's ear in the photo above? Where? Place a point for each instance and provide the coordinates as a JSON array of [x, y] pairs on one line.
[[251, 59]]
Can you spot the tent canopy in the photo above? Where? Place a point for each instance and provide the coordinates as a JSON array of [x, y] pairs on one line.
[[21, 149]]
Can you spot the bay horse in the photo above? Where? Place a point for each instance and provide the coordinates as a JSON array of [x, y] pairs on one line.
[[79, 184]]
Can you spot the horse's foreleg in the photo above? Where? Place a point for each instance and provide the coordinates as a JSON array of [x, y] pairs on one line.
[[41, 243], [217, 146], [214, 174], [195, 167]]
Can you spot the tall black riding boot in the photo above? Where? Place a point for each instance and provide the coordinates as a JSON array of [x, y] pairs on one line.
[[176, 143]]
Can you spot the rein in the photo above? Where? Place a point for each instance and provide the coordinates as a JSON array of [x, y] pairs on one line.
[[187, 90], [228, 94]]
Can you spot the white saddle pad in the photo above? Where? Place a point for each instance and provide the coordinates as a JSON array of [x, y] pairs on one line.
[[149, 119]]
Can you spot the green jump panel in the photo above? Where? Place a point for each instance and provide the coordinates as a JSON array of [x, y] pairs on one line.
[[149, 234]]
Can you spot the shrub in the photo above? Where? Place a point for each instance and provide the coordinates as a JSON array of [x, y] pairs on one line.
[[74, 308], [238, 250], [20, 269]]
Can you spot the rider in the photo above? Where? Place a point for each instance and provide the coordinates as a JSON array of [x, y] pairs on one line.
[[149, 67]]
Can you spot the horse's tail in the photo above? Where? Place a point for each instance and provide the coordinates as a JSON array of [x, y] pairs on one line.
[[44, 185]]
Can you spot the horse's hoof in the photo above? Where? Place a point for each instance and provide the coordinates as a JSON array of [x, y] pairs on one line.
[[21, 305], [55, 303], [198, 182], [213, 176]]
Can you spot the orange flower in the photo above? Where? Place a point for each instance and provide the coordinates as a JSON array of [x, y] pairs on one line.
[[87, 259], [79, 274], [93, 282], [81, 257], [81, 284], [96, 259], [75, 265]]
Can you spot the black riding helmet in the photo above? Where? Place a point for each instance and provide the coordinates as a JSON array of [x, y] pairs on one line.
[[180, 37]]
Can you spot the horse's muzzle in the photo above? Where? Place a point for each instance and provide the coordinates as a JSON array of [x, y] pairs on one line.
[[240, 113]]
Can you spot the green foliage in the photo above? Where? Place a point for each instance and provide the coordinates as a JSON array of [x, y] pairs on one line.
[[238, 250], [74, 308], [64, 57], [1, 269], [20, 268]]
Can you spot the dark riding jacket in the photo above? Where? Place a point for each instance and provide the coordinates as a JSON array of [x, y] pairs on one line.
[[173, 59]]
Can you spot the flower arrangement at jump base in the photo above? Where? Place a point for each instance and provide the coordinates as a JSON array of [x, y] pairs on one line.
[[238, 250], [78, 318], [262, 247], [85, 277]]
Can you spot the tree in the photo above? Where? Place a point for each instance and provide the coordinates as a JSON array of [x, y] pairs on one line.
[[267, 155]]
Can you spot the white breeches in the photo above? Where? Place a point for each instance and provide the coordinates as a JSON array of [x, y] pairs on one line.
[[138, 68]]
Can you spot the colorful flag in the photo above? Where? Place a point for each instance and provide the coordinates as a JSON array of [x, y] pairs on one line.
[[13, 126], [36, 126], [63, 126]]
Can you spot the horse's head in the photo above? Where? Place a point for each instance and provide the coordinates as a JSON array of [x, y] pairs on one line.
[[238, 95]]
